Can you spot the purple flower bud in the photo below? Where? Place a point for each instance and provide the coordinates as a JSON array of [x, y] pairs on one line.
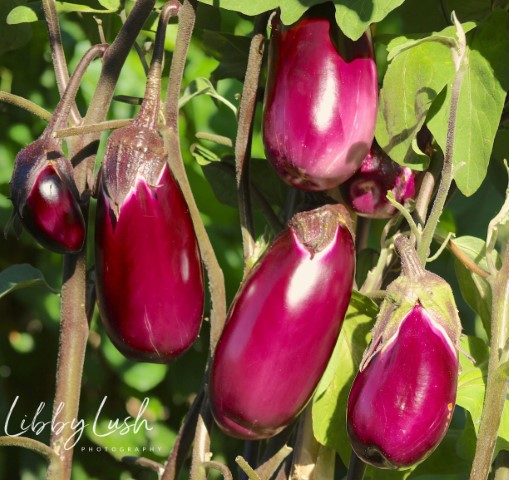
[[320, 103], [148, 267], [403, 397], [283, 325], [401, 404], [366, 192]]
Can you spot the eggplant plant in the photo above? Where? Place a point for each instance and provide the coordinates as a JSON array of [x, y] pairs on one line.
[[332, 174]]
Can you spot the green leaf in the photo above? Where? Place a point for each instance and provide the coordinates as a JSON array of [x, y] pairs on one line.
[[475, 290], [144, 376], [12, 36], [412, 82], [22, 14], [33, 11], [329, 402], [353, 16], [472, 378], [112, 5], [232, 51], [203, 155], [21, 276], [481, 100]]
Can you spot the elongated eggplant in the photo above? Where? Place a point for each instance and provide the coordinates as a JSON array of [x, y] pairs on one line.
[[148, 267], [366, 191], [283, 325], [43, 191], [321, 101], [402, 400]]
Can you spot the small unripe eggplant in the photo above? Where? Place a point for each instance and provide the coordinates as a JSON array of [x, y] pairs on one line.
[[283, 325], [43, 191], [366, 191], [321, 101], [148, 267], [402, 400]]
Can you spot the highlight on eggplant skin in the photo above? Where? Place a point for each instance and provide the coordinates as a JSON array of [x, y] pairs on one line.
[[366, 191], [401, 403], [148, 267], [283, 325], [320, 103]]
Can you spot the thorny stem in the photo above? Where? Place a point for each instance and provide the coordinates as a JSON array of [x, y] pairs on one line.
[[424, 245], [25, 105], [57, 53], [74, 325], [497, 382], [170, 134], [244, 134]]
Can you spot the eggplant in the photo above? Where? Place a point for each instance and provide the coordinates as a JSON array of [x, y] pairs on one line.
[[149, 276], [321, 101], [283, 324], [43, 192], [366, 191], [402, 400]]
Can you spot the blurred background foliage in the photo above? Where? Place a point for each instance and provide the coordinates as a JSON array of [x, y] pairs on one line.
[[29, 318]]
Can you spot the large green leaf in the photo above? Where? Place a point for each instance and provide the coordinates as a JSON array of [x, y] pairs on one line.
[[21, 276], [329, 403], [353, 16], [413, 80], [481, 100]]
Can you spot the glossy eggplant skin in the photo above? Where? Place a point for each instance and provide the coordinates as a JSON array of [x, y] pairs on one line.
[[366, 191], [148, 267], [401, 404], [321, 102], [45, 197], [280, 332]]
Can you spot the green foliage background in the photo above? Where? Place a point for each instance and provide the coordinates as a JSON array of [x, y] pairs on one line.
[[29, 317]]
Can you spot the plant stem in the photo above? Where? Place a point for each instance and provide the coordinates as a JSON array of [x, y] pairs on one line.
[[71, 356], [497, 382], [251, 474], [144, 463], [57, 53], [356, 468], [306, 448], [201, 447], [244, 135], [423, 247], [223, 469], [31, 444], [97, 127], [184, 440], [170, 134], [25, 104]]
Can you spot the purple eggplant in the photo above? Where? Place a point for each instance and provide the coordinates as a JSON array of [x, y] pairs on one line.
[[148, 268], [321, 101], [43, 191], [366, 191], [283, 325], [402, 400]]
